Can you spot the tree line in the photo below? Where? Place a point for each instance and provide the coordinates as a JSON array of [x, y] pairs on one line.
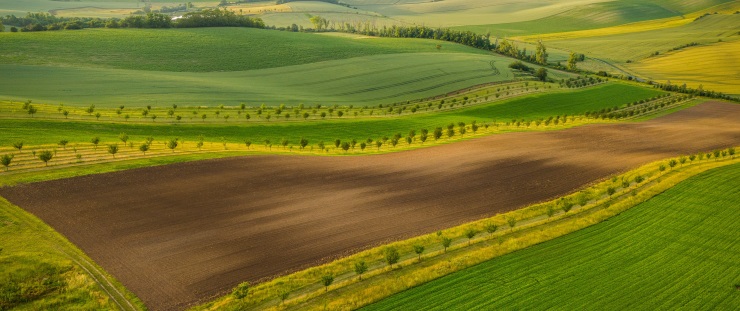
[[204, 18]]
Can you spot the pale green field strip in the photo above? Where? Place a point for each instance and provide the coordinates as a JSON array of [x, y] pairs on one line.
[[677, 250], [533, 226]]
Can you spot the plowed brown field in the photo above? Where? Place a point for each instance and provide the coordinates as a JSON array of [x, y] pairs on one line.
[[182, 233]]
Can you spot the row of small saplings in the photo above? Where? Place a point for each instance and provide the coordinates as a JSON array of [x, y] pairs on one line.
[[392, 254], [638, 108], [449, 132], [263, 112]]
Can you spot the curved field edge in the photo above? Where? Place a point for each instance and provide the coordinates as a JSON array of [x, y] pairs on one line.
[[532, 227], [41, 270], [666, 253], [99, 161]]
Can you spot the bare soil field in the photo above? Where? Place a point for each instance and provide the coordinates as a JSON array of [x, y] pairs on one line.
[[179, 234]]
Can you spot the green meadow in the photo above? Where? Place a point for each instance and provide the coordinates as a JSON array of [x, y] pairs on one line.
[[678, 250]]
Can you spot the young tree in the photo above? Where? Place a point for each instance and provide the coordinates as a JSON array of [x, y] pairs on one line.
[[392, 256], [123, 137], [672, 163], [45, 156], [284, 143], [283, 294], [716, 154], [541, 74], [437, 133], [550, 211], [337, 143], [446, 242], [90, 109], [113, 149], [97, 116], [32, 110], [363, 146], [541, 54], [418, 249], [572, 60], [345, 146], [65, 113], [470, 234], [172, 144], [144, 148], [327, 280], [731, 152], [63, 143], [18, 145], [491, 228], [378, 144], [682, 160], [248, 142], [95, 141], [5, 160], [610, 191], [360, 268], [512, 222]]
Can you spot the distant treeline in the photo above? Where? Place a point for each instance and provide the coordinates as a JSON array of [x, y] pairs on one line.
[[204, 18]]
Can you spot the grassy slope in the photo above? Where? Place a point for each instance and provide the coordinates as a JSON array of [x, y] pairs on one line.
[[635, 46], [195, 50], [677, 250], [390, 78], [41, 270], [529, 107], [714, 66]]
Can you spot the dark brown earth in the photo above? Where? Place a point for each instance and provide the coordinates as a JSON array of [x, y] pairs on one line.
[[179, 234]]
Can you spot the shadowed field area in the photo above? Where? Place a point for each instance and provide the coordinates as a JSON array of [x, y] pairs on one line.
[[178, 234]]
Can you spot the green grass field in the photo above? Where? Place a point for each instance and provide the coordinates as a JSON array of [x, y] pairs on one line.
[[197, 49], [34, 132], [233, 65], [677, 250]]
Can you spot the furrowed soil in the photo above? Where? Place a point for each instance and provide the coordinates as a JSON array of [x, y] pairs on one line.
[[180, 234]]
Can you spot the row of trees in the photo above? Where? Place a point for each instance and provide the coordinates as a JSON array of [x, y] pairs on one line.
[[204, 18]]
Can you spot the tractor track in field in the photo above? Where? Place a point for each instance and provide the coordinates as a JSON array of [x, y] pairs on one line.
[[180, 234]]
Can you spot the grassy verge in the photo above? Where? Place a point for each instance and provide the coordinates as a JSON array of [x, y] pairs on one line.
[[680, 249], [41, 270], [530, 226]]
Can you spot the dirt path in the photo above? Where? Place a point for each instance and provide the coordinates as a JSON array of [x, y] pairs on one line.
[[179, 234]]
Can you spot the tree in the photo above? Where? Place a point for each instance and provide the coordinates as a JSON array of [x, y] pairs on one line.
[[491, 228], [682, 160], [610, 191], [113, 149], [378, 144], [363, 146], [5, 160], [90, 109], [345, 146], [672, 163], [65, 113], [327, 280], [203, 117], [418, 249], [18, 145], [716, 154], [305, 116], [512, 222], [241, 291], [172, 144], [337, 143], [446, 242], [283, 294], [437, 133], [95, 141], [550, 211], [731, 152], [144, 148], [97, 116], [123, 137], [154, 117], [360, 268], [63, 143], [541, 74], [470, 234], [572, 61], [45, 156], [248, 142], [392, 256], [284, 142], [541, 54], [32, 110]]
